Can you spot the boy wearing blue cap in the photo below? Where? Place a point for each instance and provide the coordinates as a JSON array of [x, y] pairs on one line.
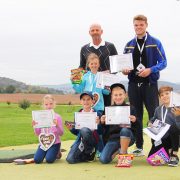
[[84, 148]]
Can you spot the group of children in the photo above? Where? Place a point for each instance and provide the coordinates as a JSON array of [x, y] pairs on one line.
[[108, 140]]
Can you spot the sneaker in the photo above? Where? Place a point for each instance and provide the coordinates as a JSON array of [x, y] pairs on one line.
[[138, 152], [98, 154], [174, 160]]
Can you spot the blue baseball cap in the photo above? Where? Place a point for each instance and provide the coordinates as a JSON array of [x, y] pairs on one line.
[[86, 93]]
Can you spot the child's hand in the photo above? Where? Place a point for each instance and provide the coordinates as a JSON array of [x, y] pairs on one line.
[[150, 124], [55, 122], [97, 120], [34, 123], [108, 88], [69, 126], [176, 111], [103, 117], [126, 71], [132, 118]]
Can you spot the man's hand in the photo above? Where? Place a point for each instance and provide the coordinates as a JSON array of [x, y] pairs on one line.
[[145, 72]]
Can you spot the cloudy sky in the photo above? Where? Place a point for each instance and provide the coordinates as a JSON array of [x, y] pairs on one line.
[[40, 40]]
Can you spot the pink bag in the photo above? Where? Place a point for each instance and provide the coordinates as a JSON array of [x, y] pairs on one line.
[[158, 158]]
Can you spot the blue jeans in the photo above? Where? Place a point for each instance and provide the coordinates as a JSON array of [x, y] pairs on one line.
[[50, 154], [113, 145], [82, 154]]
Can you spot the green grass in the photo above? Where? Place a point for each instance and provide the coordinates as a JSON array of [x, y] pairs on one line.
[[15, 123]]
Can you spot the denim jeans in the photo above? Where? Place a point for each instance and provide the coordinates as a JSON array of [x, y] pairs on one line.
[[113, 145], [82, 148], [50, 154]]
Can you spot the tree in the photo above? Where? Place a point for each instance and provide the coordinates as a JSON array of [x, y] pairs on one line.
[[10, 89]]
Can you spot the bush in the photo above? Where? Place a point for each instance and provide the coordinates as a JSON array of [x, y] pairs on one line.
[[24, 104], [8, 102]]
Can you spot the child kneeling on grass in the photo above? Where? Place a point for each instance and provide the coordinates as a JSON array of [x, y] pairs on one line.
[[84, 148], [53, 152], [120, 138], [164, 113]]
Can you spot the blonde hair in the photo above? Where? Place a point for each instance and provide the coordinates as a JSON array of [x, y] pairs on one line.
[[49, 97], [164, 88], [140, 17], [91, 57]]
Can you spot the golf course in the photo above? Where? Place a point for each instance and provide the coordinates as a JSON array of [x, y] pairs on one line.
[[17, 136]]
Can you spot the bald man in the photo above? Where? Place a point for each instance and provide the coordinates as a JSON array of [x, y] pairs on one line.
[[98, 46]]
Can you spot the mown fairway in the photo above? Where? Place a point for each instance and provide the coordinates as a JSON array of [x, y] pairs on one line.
[[15, 123]]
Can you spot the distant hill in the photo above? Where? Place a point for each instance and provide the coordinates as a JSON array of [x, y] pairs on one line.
[[7, 84], [21, 87], [67, 88]]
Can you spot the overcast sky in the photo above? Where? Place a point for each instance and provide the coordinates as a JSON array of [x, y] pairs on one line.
[[40, 40]]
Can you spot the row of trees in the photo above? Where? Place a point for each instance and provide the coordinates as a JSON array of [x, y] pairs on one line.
[[12, 89]]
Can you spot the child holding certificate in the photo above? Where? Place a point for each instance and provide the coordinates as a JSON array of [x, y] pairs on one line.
[[83, 149], [88, 83], [119, 137], [48, 137], [166, 114]]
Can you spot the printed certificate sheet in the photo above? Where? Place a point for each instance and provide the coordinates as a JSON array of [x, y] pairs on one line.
[[85, 119], [117, 115], [120, 62], [43, 118], [157, 131], [175, 99], [106, 79]]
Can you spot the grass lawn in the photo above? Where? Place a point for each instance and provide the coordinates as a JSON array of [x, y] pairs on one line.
[[15, 123]]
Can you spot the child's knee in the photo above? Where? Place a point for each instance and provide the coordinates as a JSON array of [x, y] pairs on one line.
[[125, 132], [50, 160]]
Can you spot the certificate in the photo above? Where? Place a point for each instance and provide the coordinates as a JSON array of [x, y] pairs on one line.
[[106, 79], [157, 131], [43, 118], [85, 119], [175, 99], [120, 62], [118, 115]]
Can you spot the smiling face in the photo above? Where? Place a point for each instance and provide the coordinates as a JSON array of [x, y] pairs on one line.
[[48, 104], [86, 102], [165, 98], [93, 65], [140, 27], [118, 96], [95, 31]]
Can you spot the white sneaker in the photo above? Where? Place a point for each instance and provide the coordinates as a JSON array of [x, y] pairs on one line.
[[138, 152]]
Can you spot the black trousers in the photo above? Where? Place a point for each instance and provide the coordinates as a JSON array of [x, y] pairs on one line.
[[141, 94], [169, 141]]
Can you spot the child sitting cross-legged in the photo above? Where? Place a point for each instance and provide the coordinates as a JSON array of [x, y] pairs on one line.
[[120, 138]]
